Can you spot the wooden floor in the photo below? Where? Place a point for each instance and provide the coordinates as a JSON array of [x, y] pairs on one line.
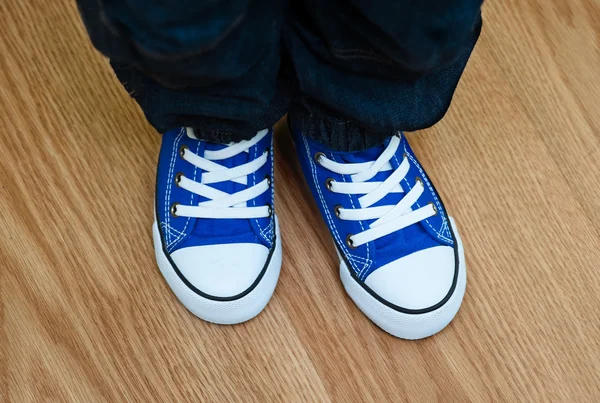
[[86, 316]]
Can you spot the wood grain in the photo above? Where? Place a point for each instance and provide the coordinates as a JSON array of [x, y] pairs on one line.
[[87, 317]]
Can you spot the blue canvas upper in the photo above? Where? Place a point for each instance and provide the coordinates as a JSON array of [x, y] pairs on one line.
[[365, 259], [181, 232]]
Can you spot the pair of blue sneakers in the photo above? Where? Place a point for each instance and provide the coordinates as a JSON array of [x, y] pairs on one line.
[[217, 241]]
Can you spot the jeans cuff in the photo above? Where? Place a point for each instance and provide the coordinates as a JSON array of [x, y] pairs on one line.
[[331, 129], [224, 131], [166, 108]]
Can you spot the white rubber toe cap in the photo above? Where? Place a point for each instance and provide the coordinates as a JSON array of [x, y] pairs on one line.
[[221, 270], [417, 281]]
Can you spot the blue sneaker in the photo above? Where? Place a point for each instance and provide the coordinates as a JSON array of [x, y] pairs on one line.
[[401, 259], [216, 236]]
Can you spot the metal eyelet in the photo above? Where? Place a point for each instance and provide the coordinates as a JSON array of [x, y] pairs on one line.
[[182, 150], [329, 183], [337, 211], [349, 242], [270, 210], [434, 208], [318, 157], [173, 209], [418, 180], [268, 178], [178, 178], [404, 155]]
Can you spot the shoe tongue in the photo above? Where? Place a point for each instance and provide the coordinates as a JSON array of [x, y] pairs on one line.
[[368, 155], [234, 226], [217, 147], [236, 160], [402, 242]]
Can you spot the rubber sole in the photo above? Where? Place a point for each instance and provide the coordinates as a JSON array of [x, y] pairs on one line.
[[403, 325], [222, 312]]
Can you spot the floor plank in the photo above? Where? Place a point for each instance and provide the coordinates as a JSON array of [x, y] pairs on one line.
[[86, 316]]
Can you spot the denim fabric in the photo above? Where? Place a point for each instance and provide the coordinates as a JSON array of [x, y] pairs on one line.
[[353, 71]]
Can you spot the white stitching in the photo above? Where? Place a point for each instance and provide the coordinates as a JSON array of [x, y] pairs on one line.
[[437, 202], [260, 229], [271, 226], [426, 180], [446, 230], [367, 261], [171, 167], [182, 233], [267, 231], [170, 229], [173, 234], [328, 217]]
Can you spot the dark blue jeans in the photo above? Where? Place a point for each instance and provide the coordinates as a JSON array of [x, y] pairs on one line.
[[349, 71]]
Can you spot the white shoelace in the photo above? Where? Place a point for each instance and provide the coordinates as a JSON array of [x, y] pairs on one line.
[[221, 204], [388, 219]]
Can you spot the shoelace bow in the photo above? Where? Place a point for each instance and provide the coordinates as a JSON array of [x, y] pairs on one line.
[[221, 204], [388, 218]]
